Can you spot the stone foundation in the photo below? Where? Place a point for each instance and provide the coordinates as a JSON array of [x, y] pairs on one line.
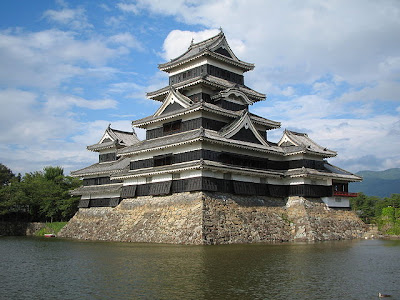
[[213, 218]]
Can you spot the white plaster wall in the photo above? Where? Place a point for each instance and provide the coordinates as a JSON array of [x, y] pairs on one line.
[[161, 177], [336, 201]]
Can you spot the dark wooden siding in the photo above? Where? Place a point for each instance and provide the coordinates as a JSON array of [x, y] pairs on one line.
[[160, 188], [99, 181], [206, 70], [172, 107], [246, 135], [234, 159], [200, 96], [128, 191], [101, 202], [223, 51], [230, 105], [233, 187], [186, 126], [107, 157]]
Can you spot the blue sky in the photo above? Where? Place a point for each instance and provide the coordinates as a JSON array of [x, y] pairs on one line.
[[69, 68]]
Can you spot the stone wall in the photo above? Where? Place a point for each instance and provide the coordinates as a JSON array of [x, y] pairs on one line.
[[214, 218], [20, 228]]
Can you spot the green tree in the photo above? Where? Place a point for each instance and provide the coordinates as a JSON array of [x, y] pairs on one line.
[[40, 196], [5, 175], [365, 207]]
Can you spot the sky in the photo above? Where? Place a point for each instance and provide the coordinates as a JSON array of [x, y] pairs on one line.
[[70, 68]]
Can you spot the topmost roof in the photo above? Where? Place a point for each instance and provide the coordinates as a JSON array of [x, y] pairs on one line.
[[216, 46]]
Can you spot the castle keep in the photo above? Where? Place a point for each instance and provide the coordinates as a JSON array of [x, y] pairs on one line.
[[206, 172]]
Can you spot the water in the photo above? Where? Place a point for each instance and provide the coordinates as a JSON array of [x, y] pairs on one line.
[[38, 268]]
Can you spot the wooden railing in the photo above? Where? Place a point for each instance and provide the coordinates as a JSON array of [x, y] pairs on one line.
[[344, 194]]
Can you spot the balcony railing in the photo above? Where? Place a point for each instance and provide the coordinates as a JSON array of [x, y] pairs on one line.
[[344, 194]]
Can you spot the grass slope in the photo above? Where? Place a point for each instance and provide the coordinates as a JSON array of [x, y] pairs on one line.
[[54, 228]]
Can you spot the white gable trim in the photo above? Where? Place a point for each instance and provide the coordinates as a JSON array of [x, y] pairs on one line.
[[105, 136], [285, 138], [224, 44], [245, 122], [237, 93], [172, 97]]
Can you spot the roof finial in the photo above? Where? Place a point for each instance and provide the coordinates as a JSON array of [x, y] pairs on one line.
[[220, 30], [109, 126], [191, 42]]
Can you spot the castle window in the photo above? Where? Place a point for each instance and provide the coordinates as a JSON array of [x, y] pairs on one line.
[[107, 157], [149, 179], [176, 175], [172, 127], [162, 160]]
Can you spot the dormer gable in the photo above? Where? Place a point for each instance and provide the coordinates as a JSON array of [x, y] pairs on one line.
[[173, 101], [243, 129], [114, 139], [298, 139]]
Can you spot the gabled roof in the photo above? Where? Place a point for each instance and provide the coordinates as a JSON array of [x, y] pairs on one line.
[[105, 168], [211, 81], [192, 136], [216, 46], [329, 171], [244, 121], [204, 106], [294, 141], [173, 97], [113, 138], [97, 189]]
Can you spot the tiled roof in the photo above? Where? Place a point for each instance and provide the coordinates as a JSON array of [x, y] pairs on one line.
[[207, 107], [329, 171], [211, 81], [206, 47], [103, 168], [197, 164], [96, 189], [192, 136], [118, 139], [301, 141]]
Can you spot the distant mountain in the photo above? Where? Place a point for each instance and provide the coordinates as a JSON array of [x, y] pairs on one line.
[[378, 183]]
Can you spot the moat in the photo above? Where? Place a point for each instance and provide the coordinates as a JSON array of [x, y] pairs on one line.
[[38, 268]]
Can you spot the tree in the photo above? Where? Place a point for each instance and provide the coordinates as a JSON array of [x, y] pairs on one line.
[[39, 196], [5, 175], [365, 207]]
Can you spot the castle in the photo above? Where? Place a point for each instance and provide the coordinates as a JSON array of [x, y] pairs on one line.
[[204, 143]]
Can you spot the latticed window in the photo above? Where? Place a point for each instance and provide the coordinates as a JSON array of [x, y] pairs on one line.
[[163, 160], [172, 126]]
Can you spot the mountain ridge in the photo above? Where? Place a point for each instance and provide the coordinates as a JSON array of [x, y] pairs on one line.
[[378, 183]]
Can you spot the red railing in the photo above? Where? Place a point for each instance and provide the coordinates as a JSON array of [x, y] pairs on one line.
[[344, 194]]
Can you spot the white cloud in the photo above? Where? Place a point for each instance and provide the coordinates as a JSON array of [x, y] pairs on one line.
[[126, 39], [131, 8], [178, 41], [74, 18], [47, 58], [65, 102]]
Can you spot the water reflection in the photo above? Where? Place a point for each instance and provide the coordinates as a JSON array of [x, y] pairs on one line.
[[63, 269]]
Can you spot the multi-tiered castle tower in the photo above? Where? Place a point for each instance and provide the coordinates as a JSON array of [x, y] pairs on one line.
[[203, 138]]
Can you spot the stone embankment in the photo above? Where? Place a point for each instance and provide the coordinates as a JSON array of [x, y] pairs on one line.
[[214, 218], [20, 228]]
